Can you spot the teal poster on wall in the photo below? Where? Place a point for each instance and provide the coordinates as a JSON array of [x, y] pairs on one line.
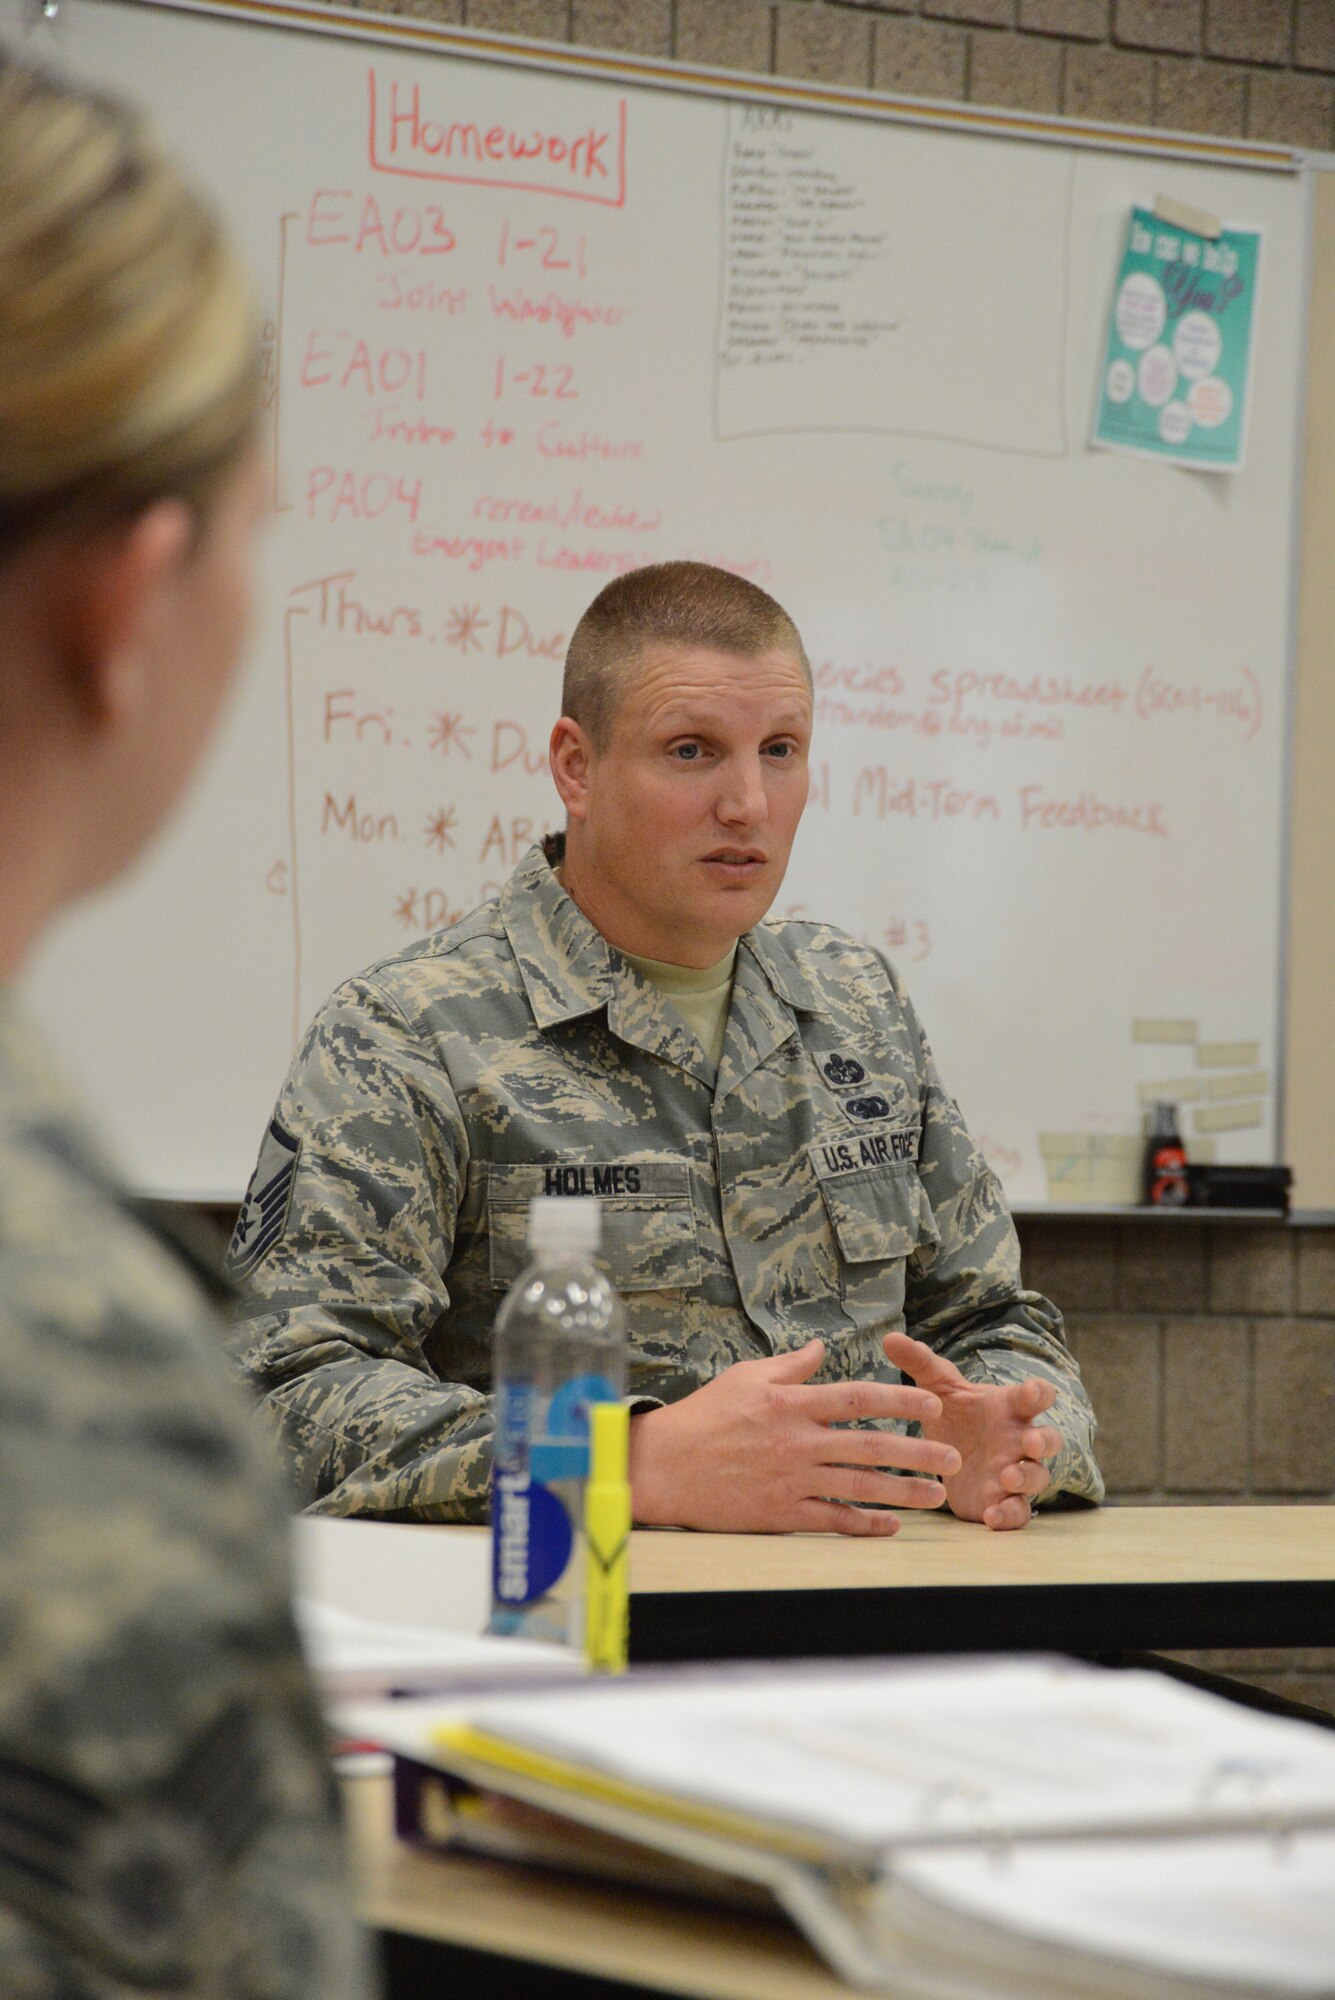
[[1175, 372]]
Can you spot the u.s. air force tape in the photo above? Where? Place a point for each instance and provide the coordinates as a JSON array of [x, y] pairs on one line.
[[831, 1158]]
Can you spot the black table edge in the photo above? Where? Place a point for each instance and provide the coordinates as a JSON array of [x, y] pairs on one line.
[[1086, 1618]]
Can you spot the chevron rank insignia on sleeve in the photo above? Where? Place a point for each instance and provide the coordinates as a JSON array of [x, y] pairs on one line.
[[263, 1215]]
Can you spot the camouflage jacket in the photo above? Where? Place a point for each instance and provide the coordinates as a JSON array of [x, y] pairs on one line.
[[166, 1818], [821, 1183]]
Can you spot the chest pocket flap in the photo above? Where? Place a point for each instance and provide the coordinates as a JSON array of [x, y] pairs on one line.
[[649, 1240], [878, 1211]]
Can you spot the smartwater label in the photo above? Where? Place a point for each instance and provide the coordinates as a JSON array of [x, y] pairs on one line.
[[532, 1533], [531, 1538]]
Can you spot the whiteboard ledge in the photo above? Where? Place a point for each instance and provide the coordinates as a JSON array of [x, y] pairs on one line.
[[1076, 1211], [481, 45], [1035, 1211]]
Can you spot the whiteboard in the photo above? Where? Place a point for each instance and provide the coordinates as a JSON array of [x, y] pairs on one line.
[[527, 329]]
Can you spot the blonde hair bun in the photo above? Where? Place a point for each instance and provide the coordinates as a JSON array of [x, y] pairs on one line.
[[128, 350]]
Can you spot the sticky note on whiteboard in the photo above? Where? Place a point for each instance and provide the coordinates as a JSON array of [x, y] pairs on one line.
[[1165, 1031], [1228, 1055], [1229, 1117], [1243, 1083]]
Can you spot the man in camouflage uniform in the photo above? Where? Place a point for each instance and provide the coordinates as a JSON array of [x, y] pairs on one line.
[[166, 1819], [809, 1181]]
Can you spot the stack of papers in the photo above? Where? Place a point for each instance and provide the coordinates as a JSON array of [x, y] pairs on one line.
[[952, 1828], [1237, 1914], [350, 1656]]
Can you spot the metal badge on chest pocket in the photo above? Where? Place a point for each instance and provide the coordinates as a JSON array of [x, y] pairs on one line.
[[866, 1093]]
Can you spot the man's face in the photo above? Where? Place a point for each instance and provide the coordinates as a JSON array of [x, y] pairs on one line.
[[689, 812]]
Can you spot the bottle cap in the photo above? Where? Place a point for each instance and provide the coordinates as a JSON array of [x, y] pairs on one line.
[[564, 1225]]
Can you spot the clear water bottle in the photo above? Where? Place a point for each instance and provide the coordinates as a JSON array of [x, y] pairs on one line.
[[560, 1345]]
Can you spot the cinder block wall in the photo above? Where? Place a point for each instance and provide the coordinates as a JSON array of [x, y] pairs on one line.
[[1209, 1349], [1256, 68]]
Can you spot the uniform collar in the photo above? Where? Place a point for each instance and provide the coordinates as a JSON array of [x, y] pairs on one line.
[[40, 1117], [33, 1093], [783, 969], [565, 964], [568, 967]]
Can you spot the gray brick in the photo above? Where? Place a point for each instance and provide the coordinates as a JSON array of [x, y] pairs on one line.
[[1316, 1270], [824, 44], [1021, 72], [1072, 1263], [1162, 1267], [1293, 110], [1207, 1398], [1314, 35], [449, 13], [988, 13], [1294, 1444], [1078, 19], [1158, 24], [544, 20], [737, 35], [1252, 1270], [921, 58], [641, 27], [1119, 1361], [1116, 85], [1199, 97], [1249, 30]]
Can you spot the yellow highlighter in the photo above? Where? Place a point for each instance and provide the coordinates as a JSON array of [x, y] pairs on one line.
[[607, 1539]]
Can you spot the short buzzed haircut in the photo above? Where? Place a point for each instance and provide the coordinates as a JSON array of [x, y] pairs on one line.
[[686, 604]]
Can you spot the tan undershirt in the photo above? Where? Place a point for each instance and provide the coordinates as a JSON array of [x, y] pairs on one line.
[[700, 995]]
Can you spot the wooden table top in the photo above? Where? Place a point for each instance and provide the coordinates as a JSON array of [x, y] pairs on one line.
[[1110, 1581], [1105, 1545], [1097, 1581]]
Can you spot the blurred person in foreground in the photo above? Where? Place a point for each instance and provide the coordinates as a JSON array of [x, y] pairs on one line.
[[805, 1235], [167, 1822]]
